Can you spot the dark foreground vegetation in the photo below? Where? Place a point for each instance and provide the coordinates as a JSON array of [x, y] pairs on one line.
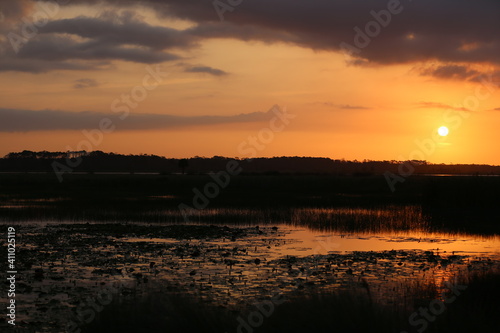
[[474, 309]]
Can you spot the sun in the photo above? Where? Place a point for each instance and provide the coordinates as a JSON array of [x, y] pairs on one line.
[[443, 131]]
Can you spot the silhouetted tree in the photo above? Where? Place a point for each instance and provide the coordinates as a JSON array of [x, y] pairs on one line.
[[183, 164]]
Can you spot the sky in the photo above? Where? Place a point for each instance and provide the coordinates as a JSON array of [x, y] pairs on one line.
[[242, 78]]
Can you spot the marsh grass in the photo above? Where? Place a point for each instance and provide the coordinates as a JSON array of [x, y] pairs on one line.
[[475, 310], [355, 219], [451, 204], [339, 219], [159, 313]]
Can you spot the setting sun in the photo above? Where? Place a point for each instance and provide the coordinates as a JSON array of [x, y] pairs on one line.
[[443, 131]]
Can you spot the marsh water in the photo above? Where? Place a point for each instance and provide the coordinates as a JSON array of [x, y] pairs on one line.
[[234, 265]]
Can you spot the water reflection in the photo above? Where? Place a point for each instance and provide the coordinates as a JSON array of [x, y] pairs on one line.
[[310, 242], [226, 256]]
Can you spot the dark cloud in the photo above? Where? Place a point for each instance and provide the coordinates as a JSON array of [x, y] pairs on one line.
[[57, 44], [451, 72], [85, 83], [453, 32], [42, 66], [205, 69], [60, 48], [461, 72], [123, 29], [13, 11], [15, 120], [491, 77], [445, 30]]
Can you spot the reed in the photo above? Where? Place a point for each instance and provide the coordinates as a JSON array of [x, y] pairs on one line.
[[476, 309]]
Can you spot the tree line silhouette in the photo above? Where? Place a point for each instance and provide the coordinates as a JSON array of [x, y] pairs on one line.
[[99, 161]]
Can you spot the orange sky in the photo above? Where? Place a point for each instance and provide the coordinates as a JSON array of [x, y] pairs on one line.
[[377, 111]]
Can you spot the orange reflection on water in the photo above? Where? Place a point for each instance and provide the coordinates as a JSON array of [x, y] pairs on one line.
[[309, 242]]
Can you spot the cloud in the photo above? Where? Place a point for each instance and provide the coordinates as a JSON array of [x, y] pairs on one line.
[[461, 73], [453, 32], [60, 48], [352, 107], [42, 66], [12, 11], [59, 44], [121, 29], [85, 83], [451, 72], [206, 69], [447, 30], [342, 106], [16, 120], [46, 53], [437, 105]]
